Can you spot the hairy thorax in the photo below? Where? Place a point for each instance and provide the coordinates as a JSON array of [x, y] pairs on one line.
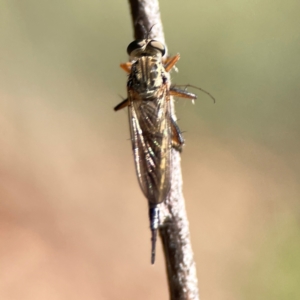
[[147, 77]]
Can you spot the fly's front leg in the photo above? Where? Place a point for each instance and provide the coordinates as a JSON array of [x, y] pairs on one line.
[[126, 67], [171, 61]]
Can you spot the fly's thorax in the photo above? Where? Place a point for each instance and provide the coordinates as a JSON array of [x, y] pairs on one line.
[[147, 76]]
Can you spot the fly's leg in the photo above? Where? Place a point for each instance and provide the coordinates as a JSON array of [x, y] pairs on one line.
[[170, 62], [177, 138], [121, 105], [182, 93], [126, 67]]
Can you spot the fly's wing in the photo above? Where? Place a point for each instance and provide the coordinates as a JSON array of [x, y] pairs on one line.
[[150, 126]]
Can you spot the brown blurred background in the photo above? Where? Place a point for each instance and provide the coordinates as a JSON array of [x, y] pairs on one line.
[[73, 222]]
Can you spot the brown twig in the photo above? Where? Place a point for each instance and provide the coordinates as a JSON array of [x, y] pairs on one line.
[[174, 230], [146, 13]]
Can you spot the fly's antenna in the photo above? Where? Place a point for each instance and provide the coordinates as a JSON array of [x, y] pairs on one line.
[[149, 31], [205, 92], [146, 32]]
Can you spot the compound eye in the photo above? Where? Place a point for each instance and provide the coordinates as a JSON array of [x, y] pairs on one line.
[[158, 46], [135, 45]]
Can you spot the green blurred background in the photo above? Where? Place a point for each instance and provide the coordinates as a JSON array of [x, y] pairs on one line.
[[73, 222]]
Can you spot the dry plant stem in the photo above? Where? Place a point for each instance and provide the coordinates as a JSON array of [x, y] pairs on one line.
[[174, 231], [146, 13]]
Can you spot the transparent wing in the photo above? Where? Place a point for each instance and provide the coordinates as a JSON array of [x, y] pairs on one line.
[[150, 126]]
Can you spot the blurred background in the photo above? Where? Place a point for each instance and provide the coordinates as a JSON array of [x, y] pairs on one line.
[[73, 221]]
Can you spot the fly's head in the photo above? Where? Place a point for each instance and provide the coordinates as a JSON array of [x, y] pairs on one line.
[[145, 47], [147, 71]]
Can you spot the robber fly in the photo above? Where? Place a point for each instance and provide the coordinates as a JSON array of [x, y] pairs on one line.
[[154, 131]]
